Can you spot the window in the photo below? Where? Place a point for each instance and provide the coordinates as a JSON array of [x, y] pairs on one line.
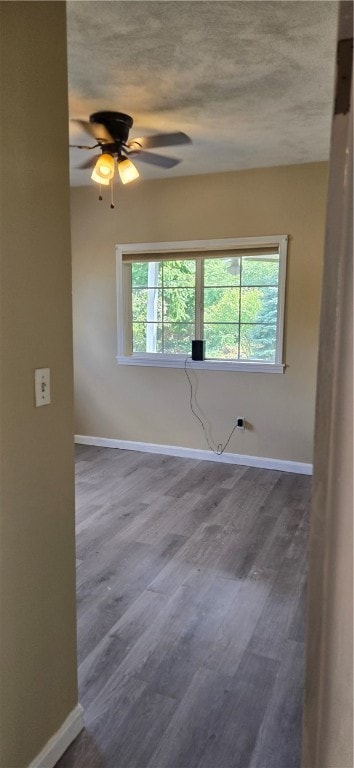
[[229, 292]]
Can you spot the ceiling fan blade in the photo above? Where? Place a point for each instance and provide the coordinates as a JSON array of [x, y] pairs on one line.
[[83, 146], [160, 140], [89, 163], [160, 160], [97, 130]]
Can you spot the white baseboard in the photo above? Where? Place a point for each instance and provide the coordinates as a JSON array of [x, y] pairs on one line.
[[298, 467], [56, 746]]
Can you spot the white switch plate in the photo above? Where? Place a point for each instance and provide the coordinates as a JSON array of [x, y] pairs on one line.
[[42, 386]]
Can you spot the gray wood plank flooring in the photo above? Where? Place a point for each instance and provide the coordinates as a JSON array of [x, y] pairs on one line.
[[191, 590]]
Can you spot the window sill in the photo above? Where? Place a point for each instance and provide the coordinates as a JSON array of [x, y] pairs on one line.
[[178, 361]]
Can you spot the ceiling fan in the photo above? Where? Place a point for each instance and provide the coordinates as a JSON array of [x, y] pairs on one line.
[[111, 133]]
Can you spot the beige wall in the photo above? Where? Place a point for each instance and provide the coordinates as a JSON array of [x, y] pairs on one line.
[[37, 592], [328, 712], [151, 404]]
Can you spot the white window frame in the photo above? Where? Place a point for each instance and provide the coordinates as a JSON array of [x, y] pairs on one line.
[[200, 247]]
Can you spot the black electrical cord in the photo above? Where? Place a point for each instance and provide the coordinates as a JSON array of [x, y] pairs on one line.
[[220, 448]]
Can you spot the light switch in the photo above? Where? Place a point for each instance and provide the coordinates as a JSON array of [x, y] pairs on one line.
[[42, 386]]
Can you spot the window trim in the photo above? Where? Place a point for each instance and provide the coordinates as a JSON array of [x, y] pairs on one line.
[[180, 247]]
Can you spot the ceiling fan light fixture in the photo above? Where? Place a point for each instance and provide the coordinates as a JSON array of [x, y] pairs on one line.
[[104, 167], [99, 179], [111, 133], [127, 170]]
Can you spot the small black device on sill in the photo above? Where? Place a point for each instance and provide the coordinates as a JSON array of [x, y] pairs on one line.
[[198, 349]]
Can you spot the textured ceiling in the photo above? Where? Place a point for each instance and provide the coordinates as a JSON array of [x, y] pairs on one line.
[[250, 82]]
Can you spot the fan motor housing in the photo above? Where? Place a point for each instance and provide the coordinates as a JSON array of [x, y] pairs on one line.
[[117, 123]]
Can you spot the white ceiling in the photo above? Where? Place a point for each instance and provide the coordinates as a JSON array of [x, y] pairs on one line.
[[250, 82]]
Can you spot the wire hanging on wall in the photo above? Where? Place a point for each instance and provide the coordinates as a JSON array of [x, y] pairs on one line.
[[219, 450]]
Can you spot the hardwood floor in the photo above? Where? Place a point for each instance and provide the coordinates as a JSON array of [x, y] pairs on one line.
[[191, 613]]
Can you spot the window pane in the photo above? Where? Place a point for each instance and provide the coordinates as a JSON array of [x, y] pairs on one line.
[[222, 271], [259, 271], [221, 305], [147, 304], [147, 337], [259, 305], [240, 305], [177, 338], [175, 273], [146, 273], [221, 340], [258, 342], [179, 305]]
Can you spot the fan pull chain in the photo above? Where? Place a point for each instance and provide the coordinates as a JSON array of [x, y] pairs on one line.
[[112, 201], [100, 195]]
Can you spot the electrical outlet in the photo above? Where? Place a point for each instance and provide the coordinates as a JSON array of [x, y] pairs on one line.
[[241, 423]]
